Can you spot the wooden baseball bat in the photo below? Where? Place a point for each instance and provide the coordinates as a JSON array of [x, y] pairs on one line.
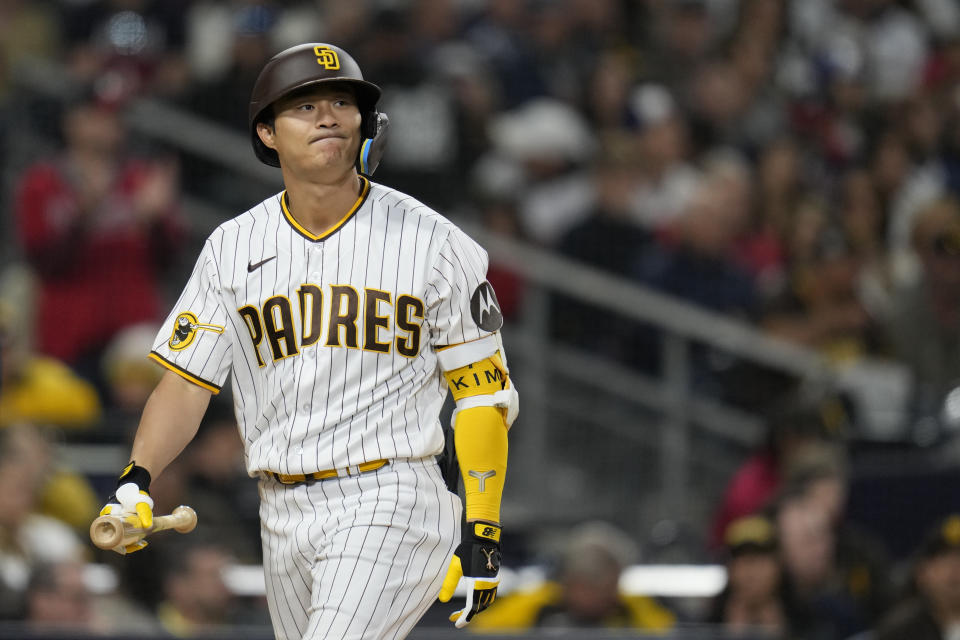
[[108, 532]]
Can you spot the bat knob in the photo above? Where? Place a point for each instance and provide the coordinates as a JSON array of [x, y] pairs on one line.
[[106, 532], [188, 517]]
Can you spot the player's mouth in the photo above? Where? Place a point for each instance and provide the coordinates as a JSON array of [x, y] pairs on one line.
[[326, 136]]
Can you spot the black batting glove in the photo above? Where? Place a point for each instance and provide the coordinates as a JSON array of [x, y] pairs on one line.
[[477, 561]]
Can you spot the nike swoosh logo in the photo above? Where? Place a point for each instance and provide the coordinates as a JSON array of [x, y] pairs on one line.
[[251, 267]]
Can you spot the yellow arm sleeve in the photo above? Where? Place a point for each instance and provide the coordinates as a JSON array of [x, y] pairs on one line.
[[480, 438]]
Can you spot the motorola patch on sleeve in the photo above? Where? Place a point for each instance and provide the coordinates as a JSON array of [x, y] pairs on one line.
[[485, 309]]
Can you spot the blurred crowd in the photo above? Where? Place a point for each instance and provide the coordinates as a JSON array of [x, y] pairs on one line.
[[791, 163]]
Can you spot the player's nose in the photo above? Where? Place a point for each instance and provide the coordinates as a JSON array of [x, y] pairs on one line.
[[325, 116]]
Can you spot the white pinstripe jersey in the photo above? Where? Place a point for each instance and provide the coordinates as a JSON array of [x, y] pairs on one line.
[[332, 339]]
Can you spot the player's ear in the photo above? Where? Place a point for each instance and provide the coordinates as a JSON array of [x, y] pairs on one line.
[[266, 134]]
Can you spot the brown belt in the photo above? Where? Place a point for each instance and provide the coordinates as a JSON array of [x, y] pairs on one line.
[[363, 467]]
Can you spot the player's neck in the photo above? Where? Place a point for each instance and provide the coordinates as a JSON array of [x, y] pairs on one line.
[[320, 206]]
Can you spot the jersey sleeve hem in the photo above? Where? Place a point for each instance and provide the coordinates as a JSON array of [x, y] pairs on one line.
[[455, 356], [183, 373]]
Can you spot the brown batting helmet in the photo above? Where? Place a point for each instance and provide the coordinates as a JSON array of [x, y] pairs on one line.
[[303, 65]]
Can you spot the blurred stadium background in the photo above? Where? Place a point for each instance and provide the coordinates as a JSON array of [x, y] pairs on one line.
[[724, 233]]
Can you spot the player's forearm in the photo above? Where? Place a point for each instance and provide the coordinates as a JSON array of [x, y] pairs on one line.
[[480, 437], [170, 420]]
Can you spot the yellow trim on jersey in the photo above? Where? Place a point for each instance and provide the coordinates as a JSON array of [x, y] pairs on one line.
[[209, 386], [329, 232], [480, 438]]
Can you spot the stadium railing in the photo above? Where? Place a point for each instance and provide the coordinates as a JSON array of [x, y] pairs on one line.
[[620, 444]]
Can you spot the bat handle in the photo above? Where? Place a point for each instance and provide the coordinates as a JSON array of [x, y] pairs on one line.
[[108, 532]]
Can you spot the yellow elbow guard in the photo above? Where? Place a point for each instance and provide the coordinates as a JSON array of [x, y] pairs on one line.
[[480, 437], [482, 378], [485, 383]]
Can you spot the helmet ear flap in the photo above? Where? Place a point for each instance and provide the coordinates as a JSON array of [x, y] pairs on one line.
[[375, 127], [370, 124]]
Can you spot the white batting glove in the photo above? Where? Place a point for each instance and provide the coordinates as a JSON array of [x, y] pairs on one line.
[[132, 502]]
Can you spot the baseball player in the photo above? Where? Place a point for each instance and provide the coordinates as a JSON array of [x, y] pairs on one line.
[[344, 310]]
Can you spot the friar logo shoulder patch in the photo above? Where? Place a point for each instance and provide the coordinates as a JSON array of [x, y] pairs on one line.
[[485, 309], [185, 328]]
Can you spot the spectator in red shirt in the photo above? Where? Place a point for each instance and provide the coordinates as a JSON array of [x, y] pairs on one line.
[[97, 227], [795, 428]]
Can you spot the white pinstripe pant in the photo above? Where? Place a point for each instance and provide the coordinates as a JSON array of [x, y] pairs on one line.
[[361, 557]]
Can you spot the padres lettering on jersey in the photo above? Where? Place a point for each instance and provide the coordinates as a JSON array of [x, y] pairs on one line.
[[346, 317], [332, 340]]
